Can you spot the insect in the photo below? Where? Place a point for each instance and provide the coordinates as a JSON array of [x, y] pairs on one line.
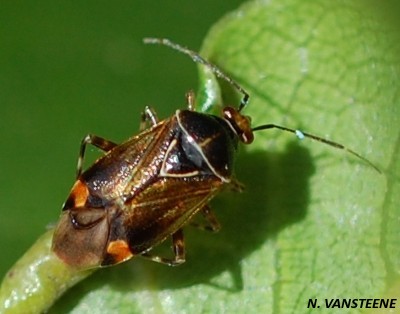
[[146, 189]]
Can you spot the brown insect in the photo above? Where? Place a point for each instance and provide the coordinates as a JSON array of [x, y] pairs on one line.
[[146, 189]]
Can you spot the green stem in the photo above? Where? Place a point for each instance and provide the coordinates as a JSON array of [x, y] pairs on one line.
[[35, 282]]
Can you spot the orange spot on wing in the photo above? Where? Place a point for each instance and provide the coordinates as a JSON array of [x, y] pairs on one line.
[[79, 194], [120, 251]]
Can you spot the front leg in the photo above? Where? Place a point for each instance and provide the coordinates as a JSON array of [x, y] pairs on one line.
[[94, 140], [148, 115], [191, 100]]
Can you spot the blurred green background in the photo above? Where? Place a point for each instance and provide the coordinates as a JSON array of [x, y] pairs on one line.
[[72, 68]]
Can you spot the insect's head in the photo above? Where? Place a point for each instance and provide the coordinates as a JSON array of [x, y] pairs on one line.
[[239, 123]]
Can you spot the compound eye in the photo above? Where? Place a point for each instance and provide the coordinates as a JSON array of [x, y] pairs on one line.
[[240, 124]]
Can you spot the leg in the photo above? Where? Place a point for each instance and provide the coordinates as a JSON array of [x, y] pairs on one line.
[[190, 100], [236, 186], [212, 225], [178, 244], [148, 115], [99, 142]]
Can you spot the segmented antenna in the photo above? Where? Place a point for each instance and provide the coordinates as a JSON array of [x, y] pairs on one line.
[[199, 59], [301, 135], [219, 73]]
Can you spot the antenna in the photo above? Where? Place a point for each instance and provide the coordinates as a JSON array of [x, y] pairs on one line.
[[199, 59], [301, 135]]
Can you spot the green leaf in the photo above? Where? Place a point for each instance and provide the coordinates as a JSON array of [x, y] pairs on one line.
[[330, 68], [313, 222]]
